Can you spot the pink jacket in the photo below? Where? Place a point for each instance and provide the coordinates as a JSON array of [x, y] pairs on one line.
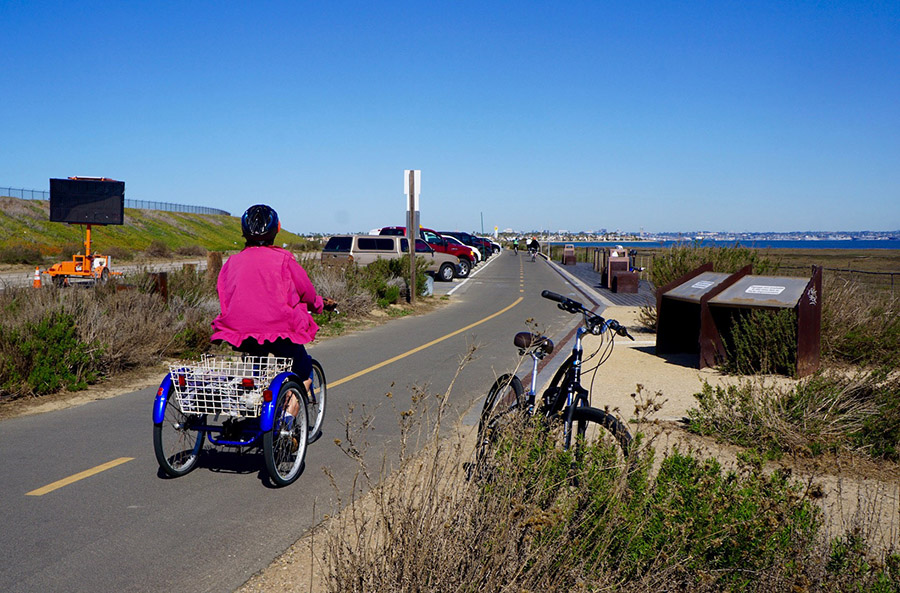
[[265, 294]]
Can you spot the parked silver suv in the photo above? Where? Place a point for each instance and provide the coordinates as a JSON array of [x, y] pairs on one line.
[[364, 249]]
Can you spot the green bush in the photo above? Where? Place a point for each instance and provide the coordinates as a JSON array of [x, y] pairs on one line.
[[46, 356], [375, 276], [391, 296], [542, 521], [761, 342]]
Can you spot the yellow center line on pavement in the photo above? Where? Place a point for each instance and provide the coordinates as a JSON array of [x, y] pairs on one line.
[[79, 476], [422, 347]]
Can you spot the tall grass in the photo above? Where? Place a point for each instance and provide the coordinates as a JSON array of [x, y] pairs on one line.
[[860, 325], [824, 413]]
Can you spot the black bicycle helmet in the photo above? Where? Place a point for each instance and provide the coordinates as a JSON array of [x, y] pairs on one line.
[[259, 225]]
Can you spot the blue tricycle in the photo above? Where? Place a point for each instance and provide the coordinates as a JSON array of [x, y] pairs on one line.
[[238, 401]]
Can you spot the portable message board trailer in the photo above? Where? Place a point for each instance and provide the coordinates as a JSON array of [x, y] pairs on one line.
[[88, 201], [695, 312]]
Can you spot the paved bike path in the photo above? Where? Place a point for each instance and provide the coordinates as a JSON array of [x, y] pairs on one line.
[[128, 529]]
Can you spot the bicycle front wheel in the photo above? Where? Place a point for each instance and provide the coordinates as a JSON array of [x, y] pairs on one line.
[[598, 429], [284, 447], [504, 403], [315, 404]]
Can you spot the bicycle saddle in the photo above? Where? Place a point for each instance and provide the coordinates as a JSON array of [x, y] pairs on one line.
[[527, 340]]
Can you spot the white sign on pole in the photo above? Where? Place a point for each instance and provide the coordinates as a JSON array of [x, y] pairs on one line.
[[417, 181]]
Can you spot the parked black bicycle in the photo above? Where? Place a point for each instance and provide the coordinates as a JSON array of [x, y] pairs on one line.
[[565, 403]]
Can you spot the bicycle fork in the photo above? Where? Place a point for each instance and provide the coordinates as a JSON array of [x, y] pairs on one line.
[[575, 393]]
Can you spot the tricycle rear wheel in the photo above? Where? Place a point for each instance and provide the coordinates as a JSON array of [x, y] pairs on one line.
[[176, 444], [284, 447]]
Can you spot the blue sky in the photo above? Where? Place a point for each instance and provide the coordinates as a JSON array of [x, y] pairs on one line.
[[666, 116]]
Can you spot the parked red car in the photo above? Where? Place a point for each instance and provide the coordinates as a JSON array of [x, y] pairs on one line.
[[467, 259]]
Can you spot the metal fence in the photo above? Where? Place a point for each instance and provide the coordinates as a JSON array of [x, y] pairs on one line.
[[37, 194]]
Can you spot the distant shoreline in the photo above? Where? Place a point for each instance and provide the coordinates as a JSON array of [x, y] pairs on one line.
[[759, 244]]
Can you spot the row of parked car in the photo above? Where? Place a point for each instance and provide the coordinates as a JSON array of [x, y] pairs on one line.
[[449, 254]]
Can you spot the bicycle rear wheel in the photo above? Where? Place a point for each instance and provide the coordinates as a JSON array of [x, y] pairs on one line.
[[505, 402]]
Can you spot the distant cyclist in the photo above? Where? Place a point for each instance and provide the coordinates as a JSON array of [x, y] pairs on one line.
[[516, 245], [533, 248]]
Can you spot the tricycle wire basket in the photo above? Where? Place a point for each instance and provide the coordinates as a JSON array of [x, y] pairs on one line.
[[227, 385]]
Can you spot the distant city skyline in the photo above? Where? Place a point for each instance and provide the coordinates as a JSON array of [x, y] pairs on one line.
[[764, 116]]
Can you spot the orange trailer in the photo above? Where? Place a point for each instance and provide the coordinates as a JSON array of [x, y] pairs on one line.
[[90, 266]]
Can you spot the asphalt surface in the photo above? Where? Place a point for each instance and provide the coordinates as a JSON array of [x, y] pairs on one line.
[[126, 528]]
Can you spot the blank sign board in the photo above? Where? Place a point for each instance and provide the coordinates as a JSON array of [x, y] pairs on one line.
[[87, 201]]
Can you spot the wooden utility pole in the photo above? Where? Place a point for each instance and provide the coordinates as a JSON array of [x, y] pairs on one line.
[[412, 226]]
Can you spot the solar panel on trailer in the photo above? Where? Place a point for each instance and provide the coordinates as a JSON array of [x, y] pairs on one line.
[[87, 201]]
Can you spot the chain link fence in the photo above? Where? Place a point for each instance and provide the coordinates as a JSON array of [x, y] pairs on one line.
[[37, 194]]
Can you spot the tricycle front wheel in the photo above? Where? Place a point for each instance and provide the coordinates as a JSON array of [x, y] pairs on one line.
[[284, 447], [176, 443], [315, 403]]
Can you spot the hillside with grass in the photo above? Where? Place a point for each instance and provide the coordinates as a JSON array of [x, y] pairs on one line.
[[26, 230]]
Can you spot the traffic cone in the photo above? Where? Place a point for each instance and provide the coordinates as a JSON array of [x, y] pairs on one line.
[[37, 278]]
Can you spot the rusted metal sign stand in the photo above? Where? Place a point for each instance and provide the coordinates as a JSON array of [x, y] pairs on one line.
[[694, 311]]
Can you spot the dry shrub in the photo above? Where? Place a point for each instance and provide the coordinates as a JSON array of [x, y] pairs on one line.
[[191, 250], [340, 283], [825, 412], [157, 248], [119, 329]]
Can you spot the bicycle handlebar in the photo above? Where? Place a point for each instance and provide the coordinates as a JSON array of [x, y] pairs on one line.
[[567, 304]]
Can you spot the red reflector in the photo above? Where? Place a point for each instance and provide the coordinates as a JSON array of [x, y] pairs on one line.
[[181, 381], [159, 392], [267, 395], [247, 383]]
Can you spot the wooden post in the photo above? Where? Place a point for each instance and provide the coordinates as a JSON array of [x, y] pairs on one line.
[[411, 233], [213, 266]]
